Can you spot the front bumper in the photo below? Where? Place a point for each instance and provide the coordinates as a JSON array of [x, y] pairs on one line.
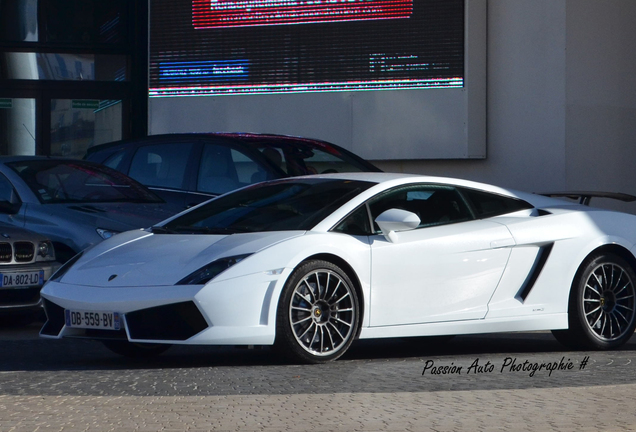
[[240, 311], [16, 300]]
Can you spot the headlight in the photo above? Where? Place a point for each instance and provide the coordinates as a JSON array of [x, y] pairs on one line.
[[212, 270], [106, 234], [65, 267], [45, 251]]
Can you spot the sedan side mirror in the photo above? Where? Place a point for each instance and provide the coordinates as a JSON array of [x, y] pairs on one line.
[[393, 220], [9, 207]]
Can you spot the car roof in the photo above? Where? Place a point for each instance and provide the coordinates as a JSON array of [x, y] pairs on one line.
[[241, 136], [388, 180], [245, 138], [20, 158], [405, 178]]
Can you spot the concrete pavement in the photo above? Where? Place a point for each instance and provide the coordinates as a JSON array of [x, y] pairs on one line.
[[578, 409], [76, 385]]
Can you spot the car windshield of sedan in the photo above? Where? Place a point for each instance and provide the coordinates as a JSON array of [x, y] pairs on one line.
[[62, 181], [285, 205], [296, 159]]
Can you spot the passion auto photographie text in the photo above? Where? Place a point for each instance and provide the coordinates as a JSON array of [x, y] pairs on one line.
[[509, 364]]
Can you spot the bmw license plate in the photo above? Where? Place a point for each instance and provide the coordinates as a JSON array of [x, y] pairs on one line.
[[93, 319], [22, 279]]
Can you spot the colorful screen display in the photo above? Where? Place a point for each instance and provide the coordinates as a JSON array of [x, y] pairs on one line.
[[223, 47], [233, 13]]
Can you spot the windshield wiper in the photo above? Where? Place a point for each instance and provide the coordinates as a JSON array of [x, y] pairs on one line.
[[207, 230], [161, 230]]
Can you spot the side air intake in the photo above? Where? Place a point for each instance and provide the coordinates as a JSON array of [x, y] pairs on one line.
[[539, 263]]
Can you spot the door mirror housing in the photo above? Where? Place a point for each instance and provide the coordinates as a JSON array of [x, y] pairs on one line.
[[9, 207], [394, 220]]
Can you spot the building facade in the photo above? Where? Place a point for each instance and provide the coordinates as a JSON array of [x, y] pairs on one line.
[[547, 98]]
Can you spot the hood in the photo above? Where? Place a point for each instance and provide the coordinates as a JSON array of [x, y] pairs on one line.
[[139, 258], [18, 234], [112, 216]]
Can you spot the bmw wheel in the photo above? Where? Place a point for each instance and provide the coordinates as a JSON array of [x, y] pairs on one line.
[[318, 313], [602, 305]]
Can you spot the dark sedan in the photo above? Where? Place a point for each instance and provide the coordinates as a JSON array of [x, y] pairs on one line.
[[187, 169]]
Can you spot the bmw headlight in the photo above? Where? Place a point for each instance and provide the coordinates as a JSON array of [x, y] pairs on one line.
[[45, 251], [105, 233], [212, 270]]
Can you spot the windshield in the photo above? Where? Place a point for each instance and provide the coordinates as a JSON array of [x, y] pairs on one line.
[[62, 181], [286, 205], [298, 156]]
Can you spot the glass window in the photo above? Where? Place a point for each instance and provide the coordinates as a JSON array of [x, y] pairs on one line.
[[114, 161], [7, 192], [55, 181], [433, 204], [277, 206], [86, 22], [66, 22], [302, 158], [17, 126], [488, 204], [247, 171], [77, 124], [19, 20], [223, 169], [63, 67], [161, 165], [357, 223]]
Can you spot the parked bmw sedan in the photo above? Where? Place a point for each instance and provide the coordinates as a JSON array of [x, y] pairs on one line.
[[187, 169], [74, 203], [27, 260], [309, 264]]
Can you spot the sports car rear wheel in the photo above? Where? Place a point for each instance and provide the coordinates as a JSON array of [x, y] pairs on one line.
[[318, 313], [135, 350], [602, 305]]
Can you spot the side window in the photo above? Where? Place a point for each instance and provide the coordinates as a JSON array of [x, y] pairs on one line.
[[276, 156], [223, 169], [433, 204], [247, 170], [114, 161], [7, 193], [489, 204], [161, 165], [357, 223]]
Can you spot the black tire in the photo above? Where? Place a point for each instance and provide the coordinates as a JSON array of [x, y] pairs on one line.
[[135, 350], [318, 313], [602, 307]]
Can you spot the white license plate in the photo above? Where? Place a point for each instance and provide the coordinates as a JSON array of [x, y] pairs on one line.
[[93, 319], [22, 279]]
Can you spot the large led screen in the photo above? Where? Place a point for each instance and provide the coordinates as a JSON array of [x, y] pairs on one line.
[[220, 47]]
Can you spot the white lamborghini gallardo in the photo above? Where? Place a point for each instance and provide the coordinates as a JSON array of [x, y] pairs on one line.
[[309, 264]]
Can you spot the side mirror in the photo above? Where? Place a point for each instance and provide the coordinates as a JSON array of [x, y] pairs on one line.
[[9, 207], [393, 220]]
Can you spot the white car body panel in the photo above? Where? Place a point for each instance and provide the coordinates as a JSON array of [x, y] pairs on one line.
[[458, 278], [455, 285]]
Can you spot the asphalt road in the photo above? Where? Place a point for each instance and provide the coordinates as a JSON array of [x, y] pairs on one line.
[[511, 370]]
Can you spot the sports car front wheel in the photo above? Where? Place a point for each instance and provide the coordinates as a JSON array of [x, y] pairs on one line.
[[602, 305], [318, 313]]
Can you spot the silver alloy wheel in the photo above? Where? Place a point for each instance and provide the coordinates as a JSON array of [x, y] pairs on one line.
[[322, 312], [608, 301]]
